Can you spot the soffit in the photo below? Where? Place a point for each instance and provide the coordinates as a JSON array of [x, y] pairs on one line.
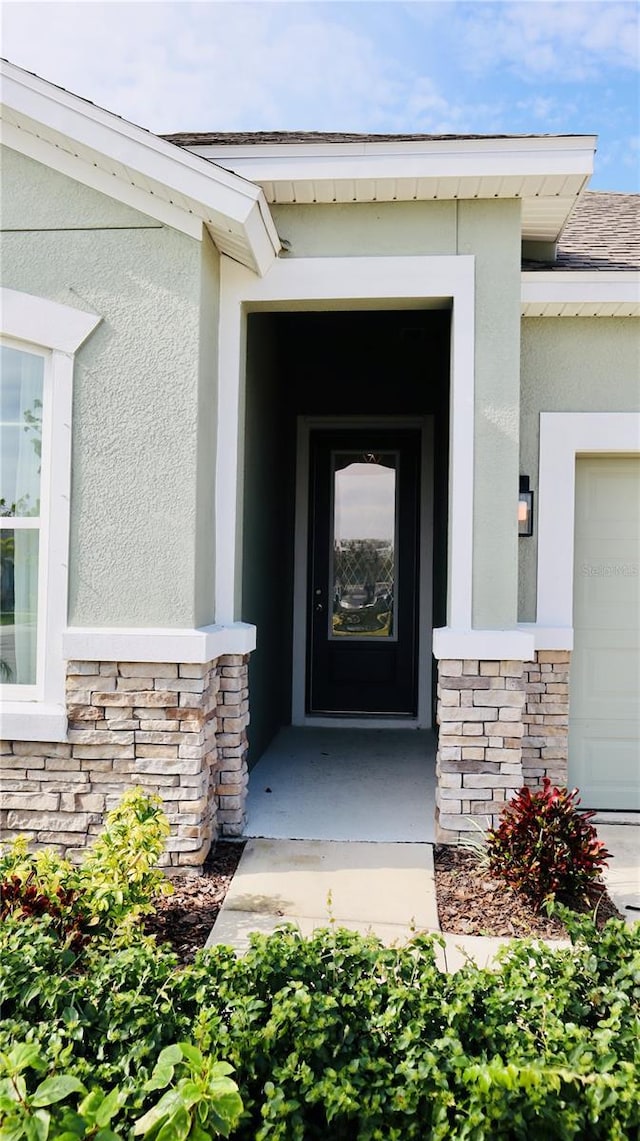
[[130, 164], [546, 172]]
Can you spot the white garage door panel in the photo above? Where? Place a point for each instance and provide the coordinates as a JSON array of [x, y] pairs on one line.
[[602, 755], [604, 733]]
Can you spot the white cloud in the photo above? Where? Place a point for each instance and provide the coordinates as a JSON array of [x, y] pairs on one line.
[[569, 39]]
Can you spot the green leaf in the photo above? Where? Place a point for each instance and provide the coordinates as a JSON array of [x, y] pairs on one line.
[[178, 1126], [24, 1056], [52, 1090], [110, 1105]]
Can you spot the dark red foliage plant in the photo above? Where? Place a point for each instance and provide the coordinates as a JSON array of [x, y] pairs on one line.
[[544, 847]]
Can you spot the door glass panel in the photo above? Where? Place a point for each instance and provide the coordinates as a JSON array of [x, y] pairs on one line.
[[363, 564]]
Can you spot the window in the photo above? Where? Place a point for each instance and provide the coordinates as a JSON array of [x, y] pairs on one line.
[[23, 504], [36, 361]]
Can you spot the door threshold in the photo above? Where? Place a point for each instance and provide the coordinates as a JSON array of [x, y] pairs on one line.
[[324, 722]]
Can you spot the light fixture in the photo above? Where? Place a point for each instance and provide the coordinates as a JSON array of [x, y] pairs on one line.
[[525, 508]]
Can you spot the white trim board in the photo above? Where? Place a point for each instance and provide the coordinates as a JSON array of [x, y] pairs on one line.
[[580, 293], [346, 283], [138, 644], [563, 436], [490, 645]]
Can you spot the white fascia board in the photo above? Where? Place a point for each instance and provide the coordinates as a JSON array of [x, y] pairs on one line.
[[43, 322], [136, 644], [580, 287], [452, 158], [203, 188], [488, 645]]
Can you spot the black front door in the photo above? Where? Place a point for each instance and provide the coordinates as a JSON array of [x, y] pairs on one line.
[[362, 628]]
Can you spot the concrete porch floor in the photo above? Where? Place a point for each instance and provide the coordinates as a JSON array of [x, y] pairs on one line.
[[373, 785]]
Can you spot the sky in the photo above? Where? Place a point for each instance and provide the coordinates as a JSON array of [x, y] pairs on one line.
[[432, 66]]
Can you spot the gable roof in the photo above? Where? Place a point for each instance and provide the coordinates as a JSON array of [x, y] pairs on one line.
[[547, 172], [120, 159]]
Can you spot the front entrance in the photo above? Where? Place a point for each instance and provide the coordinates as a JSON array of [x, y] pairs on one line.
[[363, 572]]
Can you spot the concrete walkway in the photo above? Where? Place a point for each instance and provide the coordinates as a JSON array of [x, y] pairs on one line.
[[622, 877], [347, 784], [385, 889]]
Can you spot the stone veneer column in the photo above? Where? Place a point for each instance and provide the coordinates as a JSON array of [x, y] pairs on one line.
[[178, 730], [479, 757], [545, 745], [233, 718]]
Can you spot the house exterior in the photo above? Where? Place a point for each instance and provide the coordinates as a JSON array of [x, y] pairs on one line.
[[270, 405]]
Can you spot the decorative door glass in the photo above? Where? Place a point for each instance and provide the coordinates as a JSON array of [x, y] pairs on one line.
[[363, 564]]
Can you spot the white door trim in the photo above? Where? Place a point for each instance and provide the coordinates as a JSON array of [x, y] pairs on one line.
[[563, 436], [345, 283], [307, 424]]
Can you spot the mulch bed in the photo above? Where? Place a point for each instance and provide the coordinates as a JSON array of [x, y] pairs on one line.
[[473, 902], [470, 902], [184, 919]]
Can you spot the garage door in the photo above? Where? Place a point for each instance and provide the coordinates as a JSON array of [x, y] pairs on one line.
[[604, 723]]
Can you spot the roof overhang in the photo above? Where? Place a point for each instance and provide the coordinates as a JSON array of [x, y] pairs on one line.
[[133, 166], [572, 293], [546, 172]]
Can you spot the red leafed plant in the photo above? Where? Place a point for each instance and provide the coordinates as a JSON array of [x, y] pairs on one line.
[[543, 847]]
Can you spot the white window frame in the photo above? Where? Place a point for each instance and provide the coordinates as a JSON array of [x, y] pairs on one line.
[[55, 332]]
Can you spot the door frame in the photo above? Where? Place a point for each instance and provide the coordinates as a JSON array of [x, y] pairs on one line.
[[307, 424]]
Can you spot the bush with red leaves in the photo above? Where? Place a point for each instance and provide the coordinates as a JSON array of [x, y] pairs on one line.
[[24, 899], [544, 848]]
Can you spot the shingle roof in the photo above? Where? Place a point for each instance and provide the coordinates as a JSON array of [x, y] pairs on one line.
[[265, 138], [602, 232]]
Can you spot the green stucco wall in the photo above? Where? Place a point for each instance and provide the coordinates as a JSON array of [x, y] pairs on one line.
[[144, 395], [491, 232], [570, 364], [368, 229]]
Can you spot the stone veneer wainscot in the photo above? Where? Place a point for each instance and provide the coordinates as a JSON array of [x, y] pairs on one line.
[[501, 724], [178, 730]]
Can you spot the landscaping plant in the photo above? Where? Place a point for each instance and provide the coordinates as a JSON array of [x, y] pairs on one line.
[[333, 1036], [112, 887], [544, 847]]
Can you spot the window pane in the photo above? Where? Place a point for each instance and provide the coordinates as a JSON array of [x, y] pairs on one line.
[[20, 431], [18, 606], [364, 515]]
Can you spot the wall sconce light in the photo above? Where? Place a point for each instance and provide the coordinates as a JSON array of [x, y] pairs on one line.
[[525, 508]]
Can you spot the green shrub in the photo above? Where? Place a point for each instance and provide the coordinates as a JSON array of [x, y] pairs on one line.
[[544, 848], [114, 885], [335, 1036]]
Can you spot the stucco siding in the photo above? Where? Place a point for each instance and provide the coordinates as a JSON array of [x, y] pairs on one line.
[[135, 504], [35, 197], [570, 365], [491, 231], [207, 428], [368, 229]]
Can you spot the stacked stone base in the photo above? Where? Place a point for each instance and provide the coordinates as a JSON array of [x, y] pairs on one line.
[[545, 745], [178, 730], [501, 725]]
